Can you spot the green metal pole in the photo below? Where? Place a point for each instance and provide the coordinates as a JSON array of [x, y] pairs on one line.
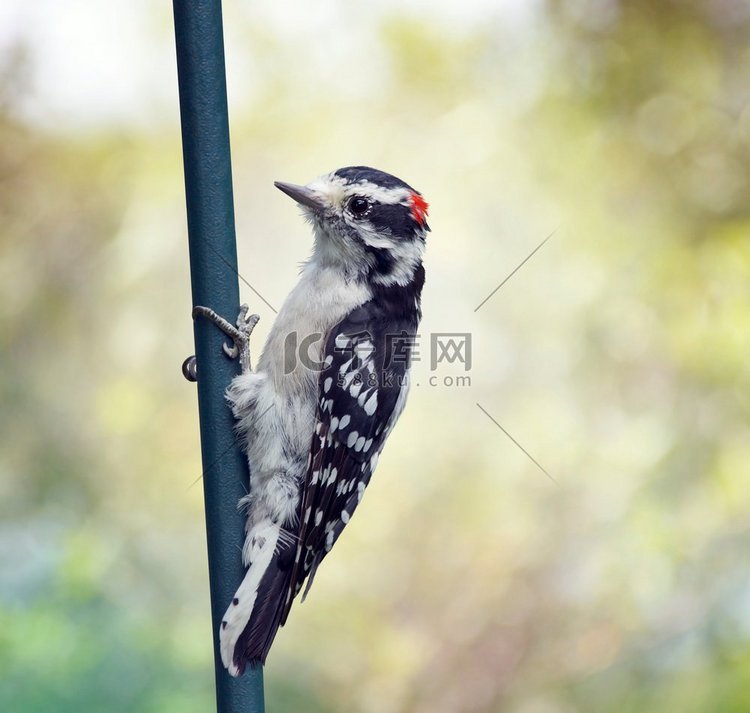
[[213, 269]]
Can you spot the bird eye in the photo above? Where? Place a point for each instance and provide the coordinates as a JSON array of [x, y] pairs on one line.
[[358, 206]]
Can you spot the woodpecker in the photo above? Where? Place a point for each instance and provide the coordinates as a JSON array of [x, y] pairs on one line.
[[330, 384]]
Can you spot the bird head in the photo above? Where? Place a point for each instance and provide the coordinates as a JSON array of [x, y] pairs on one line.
[[367, 222]]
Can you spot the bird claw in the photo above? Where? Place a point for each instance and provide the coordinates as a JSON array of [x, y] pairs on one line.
[[240, 334], [230, 350], [246, 322]]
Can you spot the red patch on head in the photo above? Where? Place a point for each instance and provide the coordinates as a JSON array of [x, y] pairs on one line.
[[419, 208]]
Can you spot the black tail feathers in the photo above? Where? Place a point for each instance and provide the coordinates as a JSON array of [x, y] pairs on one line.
[[255, 641]]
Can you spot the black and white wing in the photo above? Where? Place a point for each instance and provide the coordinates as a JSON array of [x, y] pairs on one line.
[[362, 390]]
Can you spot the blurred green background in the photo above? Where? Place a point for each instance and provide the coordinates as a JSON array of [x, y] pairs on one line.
[[618, 356]]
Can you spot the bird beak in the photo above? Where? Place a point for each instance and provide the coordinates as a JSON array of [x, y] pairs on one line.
[[303, 195]]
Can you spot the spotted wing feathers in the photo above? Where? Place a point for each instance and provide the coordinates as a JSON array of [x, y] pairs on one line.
[[362, 390]]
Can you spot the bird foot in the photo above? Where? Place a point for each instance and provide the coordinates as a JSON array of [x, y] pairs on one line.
[[239, 334]]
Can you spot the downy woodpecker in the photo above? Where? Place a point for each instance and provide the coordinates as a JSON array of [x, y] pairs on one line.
[[328, 388]]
